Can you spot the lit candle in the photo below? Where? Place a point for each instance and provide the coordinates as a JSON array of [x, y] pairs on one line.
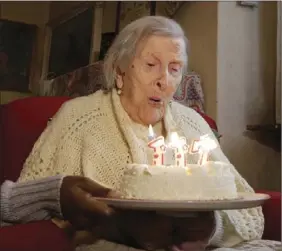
[[151, 134], [203, 146], [158, 146], [180, 149]]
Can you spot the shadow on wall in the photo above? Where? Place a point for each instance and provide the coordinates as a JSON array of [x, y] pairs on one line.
[[269, 136]]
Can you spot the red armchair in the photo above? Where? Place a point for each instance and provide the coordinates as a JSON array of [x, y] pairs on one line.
[[22, 121]]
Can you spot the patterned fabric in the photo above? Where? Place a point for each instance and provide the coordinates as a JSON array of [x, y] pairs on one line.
[[190, 92], [81, 82]]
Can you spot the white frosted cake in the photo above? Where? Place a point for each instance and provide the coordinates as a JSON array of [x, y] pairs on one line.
[[212, 181]]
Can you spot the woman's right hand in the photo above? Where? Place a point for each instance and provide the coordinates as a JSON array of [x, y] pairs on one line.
[[78, 203]]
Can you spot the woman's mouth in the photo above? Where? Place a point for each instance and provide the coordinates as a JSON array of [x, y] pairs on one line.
[[156, 101]]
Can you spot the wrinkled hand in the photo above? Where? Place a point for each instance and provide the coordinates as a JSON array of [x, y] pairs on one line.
[[145, 230], [193, 233], [78, 204]]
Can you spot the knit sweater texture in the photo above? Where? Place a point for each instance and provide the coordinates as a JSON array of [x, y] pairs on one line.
[[29, 201]]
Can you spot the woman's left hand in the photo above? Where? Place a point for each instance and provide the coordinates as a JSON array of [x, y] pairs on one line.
[[193, 233]]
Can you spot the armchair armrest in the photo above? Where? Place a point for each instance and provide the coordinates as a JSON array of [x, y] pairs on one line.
[[272, 215], [42, 235]]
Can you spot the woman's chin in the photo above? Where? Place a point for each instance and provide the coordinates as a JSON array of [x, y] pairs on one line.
[[153, 119]]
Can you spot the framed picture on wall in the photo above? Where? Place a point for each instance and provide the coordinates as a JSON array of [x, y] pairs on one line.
[[72, 39], [71, 44], [16, 49], [130, 11]]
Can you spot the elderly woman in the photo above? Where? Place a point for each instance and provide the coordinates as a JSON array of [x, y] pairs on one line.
[[98, 135]]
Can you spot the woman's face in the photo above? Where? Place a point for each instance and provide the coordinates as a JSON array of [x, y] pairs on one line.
[[151, 79]]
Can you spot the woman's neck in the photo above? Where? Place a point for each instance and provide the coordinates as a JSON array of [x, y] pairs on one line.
[[133, 115]]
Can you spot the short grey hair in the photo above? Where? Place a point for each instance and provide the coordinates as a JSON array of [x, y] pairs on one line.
[[123, 49]]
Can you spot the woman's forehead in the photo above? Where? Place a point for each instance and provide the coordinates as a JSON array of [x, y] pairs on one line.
[[160, 45]]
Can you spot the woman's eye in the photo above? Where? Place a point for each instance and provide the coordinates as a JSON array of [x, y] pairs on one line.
[[175, 68], [150, 64]]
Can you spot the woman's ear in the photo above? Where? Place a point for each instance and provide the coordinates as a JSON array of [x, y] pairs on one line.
[[119, 81], [119, 78]]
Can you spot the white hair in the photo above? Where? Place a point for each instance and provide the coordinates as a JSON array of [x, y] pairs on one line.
[[123, 49]]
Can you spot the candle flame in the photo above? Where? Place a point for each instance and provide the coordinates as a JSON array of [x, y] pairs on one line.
[[188, 171], [151, 132], [206, 143], [174, 138]]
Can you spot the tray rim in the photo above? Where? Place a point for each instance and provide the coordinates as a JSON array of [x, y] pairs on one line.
[[245, 200]]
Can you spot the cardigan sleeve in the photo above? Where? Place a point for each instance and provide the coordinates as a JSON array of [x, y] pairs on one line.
[[30, 201]]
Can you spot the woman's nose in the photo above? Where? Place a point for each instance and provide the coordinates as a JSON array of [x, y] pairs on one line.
[[163, 82]]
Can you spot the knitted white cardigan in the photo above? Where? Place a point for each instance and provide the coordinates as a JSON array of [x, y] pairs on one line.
[[93, 136]]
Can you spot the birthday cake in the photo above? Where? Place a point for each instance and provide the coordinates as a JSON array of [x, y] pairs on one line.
[[171, 178], [211, 181]]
